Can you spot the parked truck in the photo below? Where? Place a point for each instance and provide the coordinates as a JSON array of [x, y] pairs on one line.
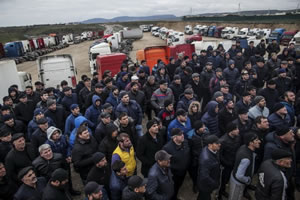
[[275, 35], [55, 68], [218, 31], [242, 34], [13, 49], [231, 34], [98, 49], [211, 31], [110, 62], [287, 36], [9, 76], [188, 30], [152, 54]]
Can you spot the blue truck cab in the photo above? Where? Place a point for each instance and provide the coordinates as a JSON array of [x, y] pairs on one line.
[[276, 35], [13, 49], [211, 31]]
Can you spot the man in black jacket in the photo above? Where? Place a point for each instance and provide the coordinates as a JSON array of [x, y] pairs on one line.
[[179, 149], [270, 94], [272, 177], [5, 144], [230, 143], [19, 157], [7, 187], [47, 162], [56, 113], [56, 187], [148, 145], [100, 172], [209, 168], [226, 115], [160, 184], [24, 109], [244, 166], [197, 143], [12, 125], [135, 189], [32, 187], [39, 136]]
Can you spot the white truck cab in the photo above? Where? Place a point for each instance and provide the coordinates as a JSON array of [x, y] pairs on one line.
[[99, 49]]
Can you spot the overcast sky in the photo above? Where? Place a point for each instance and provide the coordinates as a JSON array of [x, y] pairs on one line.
[[27, 12]]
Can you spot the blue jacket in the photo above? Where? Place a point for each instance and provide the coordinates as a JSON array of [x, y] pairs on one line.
[[231, 76], [276, 121], [70, 123], [122, 84], [68, 101], [32, 126], [133, 110], [184, 103], [78, 121], [114, 101], [291, 112], [61, 146], [93, 112], [116, 185], [210, 118], [176, 124]]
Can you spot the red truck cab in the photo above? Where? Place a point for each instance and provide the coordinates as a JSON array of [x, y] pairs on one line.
[[287, 36], [218, 31]]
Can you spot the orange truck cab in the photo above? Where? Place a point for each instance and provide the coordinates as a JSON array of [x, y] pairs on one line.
[[152, 54]]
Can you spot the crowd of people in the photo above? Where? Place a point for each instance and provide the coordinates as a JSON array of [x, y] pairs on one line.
[[222, 117]]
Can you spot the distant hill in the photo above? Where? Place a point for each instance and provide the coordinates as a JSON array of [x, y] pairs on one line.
[[244, 13], [130, 19]]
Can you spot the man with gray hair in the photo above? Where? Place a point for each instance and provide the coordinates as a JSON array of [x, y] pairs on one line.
[[48, 161]]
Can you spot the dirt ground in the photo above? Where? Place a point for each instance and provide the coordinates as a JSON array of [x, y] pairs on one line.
[[79, 53]]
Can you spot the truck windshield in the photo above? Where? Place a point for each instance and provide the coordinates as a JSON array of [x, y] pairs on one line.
[[241, 33], [94, 55], [287, 37], [274, 34], [250, 33]]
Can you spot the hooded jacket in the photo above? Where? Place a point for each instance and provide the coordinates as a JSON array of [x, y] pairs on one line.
[[78, 121], [114, 101], [61, 145], [210, 118], [93, 112]]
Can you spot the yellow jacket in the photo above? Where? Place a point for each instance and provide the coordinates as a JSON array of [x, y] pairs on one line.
[[128, 158]]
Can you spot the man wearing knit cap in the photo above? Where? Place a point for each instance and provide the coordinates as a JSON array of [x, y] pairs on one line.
[[209, 168], [283, 82], [94, 191], [279, 117], [5, 143], [272, 180], [32, 187], [244, 102], [219, 98], [230, 143], [136, 189], [259, 109], [206, 75], [148, 145], [12, 125], [57, 185], [100, 172], [167, 114], [177, 88], [19, 157], [69, 99], [231, 75], [270, 94], [244, 167], [70, 121], [182, 121], [180, 161]]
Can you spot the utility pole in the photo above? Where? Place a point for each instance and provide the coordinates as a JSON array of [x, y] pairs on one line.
[[239, 9]]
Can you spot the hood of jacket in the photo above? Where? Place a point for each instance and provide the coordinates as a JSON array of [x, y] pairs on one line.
[[94, 99], [211, 107], [50, 132], [192, 104], [79, 120]]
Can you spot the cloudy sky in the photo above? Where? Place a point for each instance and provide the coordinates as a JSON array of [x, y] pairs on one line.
[[27, 12]]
